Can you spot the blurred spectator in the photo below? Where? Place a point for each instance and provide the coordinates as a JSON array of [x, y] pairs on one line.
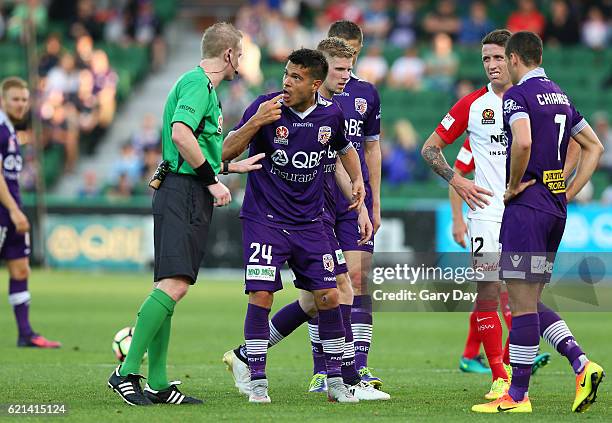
[[372, 67], [16, 28], [601, 126], [146, 29], [463, 88], [441, 64], [250, 64], [527, 18], [105, 86], [284, 35], [84, 51], [250, 20], [561, 27], [376, 21], [90, 188], [476, 25], [60, 127], [403, 31], [86, 103], [344, 10], [407, 71], [595, 30], [51, 56], [399, 160], [442, 19], [64, 77], [127, 164], [85, 22], [150, 159], [122, 190], [235, 104], [319, 32], [148, 137]]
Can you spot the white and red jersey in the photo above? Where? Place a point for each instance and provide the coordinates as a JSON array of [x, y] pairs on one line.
[[480, 114]]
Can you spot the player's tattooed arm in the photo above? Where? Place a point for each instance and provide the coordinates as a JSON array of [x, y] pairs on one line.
[[435, 159], [472, 194]]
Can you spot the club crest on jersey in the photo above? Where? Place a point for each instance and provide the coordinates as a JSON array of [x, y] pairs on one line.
[[361, 105], [325, 133], [328, 262], [220, 124], [12, 144], [281, 135], [488, 117]]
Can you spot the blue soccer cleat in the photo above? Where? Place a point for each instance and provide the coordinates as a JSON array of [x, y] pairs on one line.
[[540, 361], [473, 365]]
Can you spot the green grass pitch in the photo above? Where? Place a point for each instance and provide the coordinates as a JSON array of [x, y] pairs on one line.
[[416, 355]]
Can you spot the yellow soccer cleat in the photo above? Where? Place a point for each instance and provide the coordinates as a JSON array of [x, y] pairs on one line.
[[509, 372], [587, 383], [498, 389], [505, 404]]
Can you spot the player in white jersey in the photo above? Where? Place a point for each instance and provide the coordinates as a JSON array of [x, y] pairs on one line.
[[480, 114]]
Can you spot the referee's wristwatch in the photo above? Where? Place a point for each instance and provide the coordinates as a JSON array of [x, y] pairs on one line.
[[225, 167]]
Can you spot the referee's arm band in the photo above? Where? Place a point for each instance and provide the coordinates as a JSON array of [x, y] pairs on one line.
[[206, 173]]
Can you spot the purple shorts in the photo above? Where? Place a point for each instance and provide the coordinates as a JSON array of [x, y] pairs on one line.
[[347, 227], [339, 260], [12, 244], [267, 248], [529, 239]]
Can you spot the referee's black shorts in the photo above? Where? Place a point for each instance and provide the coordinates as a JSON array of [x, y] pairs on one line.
[[182, 212]]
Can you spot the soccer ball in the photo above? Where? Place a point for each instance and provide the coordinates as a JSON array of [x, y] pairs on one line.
[[121, 343]]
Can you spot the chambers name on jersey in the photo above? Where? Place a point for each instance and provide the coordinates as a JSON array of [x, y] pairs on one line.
[[287, 192], [553, 120], [480, 114]]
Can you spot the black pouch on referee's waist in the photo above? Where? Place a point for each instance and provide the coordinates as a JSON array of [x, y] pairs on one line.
[[160, 174]]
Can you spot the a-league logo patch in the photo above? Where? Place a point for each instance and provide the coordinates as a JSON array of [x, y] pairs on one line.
[[281, 135], [488, 117], [328, 262], [361, 105], [220, 124], [325, 133]]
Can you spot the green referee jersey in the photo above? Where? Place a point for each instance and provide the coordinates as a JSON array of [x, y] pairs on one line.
[[193, 101]]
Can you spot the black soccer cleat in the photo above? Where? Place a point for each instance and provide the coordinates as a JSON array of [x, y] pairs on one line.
[[128, 388], [170, 395]]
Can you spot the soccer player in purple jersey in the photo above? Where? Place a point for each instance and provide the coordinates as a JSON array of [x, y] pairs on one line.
[[360, 104], [339, 57], [14, 225], [282, 212], [539, 120]]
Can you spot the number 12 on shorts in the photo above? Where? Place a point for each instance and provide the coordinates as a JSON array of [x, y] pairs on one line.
[[261, 250]]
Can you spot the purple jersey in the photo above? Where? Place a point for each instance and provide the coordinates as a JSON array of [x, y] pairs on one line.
[[11, 158], [553, 120], [288, 191], [329, 185], [360, 105]]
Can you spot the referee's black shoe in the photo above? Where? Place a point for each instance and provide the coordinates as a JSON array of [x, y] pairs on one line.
[[170, 395], [128, 388]]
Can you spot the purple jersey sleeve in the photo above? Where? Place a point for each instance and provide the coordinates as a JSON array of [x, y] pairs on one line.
[[578, 122], [371, 128], [515, 106], [339, 141]]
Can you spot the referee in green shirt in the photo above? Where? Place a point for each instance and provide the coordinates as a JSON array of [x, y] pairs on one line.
[[192, 137]]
